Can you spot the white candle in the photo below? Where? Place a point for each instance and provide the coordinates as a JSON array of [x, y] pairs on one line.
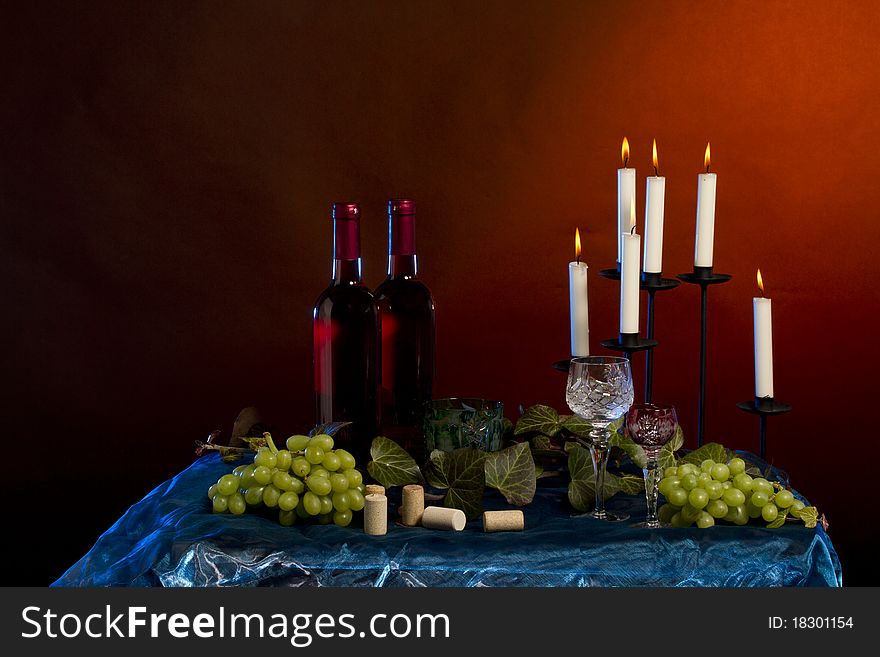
[[655, 197], [629, 283], [705, 240], [762, 310], [626, 198], [578, 303]]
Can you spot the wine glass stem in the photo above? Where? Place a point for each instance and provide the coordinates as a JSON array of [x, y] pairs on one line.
[[599, 454], [652, 482]]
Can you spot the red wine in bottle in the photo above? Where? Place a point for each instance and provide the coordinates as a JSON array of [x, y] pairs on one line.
[[346, 342], [406, 315]]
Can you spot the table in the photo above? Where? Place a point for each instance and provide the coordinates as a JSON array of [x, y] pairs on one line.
[[171, 538]]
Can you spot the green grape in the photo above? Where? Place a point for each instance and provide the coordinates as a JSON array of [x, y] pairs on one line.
[[311, 503], [238, 470], [301, 509], [679, 521], [355, 499], [265, 457], [319, 485], [262, 475], [720, 472], [797, 505], [355, 478], [254, 496], [752, 511], [733, 497], [704, 521], [325, 518], [717, 509], [727, 484], [288, 501], [331, 462], [297, 485], [300, 467], [326, 504], [664, 513], [282, 480], [318, 471], [698, 498], [769, 512], [340, 501], [339, 482], [687, 468], [743, 482], [236, 504], [677, 496], [703, 478], [212, 491], [323, 441], [271, 495], [689, 481], [363, 489], [221, 503], [667, 484], [759, 483], [714, 489], [736, 465], [689, 513], [314, 454], [670, 471], [346, 460], [707, 465], [731, 513], [784, 499], [297, 443], [741, 517], [342, 518], [283, 460], [759, 499], [247, 479], [286, 518], [228, 484]]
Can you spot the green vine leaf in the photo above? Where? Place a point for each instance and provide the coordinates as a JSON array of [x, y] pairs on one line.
[[462, 472], [667, 452], [631, 484], [512, 472], [541, 443], [540, 419], [391, 465], [779, 520], [581, 490], [635, 453], [809, 515], [715, 451], [577, 425]]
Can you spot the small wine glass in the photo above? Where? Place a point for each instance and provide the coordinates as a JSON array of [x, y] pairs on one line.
[[651, 426], [600, 390]]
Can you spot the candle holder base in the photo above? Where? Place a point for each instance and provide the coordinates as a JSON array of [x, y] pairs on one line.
[[656, 283], [629, 343], [763, 407], [704, 276], [562, 365], [611, 274]]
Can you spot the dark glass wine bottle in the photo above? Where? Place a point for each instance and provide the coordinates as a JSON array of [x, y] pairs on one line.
[[346, 341], [406, 315]]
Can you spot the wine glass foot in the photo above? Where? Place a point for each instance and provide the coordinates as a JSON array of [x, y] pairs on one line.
[[650, 525], [607, 516]]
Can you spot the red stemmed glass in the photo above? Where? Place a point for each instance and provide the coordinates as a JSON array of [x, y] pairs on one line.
[[651, 426]]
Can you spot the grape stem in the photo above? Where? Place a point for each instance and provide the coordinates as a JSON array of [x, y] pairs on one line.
[[270, 442]]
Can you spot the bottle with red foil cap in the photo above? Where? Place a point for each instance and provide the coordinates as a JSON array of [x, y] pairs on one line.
[[406, 316], [346, 341]]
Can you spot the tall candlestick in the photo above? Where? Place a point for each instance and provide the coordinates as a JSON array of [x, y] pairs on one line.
[[629, 283], [655, 200], [704, 243], [762, 312], [578, 302], [626, 198]]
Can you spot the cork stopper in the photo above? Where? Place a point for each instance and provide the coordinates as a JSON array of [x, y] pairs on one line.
[[413, 505], [438, 517], [503, 521], [375, 514], [374, 489]]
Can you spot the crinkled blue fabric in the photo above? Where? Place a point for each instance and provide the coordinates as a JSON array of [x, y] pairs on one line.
[[171, 538]]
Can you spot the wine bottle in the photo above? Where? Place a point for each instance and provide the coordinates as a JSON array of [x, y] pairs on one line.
[[346, 341], [406, 316]]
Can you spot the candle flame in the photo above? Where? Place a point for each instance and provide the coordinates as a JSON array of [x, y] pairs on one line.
[[760, 281], [656, 165], [706, 158], [577, 244], [624, 151]]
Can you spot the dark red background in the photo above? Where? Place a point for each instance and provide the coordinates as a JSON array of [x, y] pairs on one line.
[[167, 169]]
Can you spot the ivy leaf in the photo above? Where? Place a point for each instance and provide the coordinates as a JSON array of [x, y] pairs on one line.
[[581, 490], [462, 473], [541, 443], [330, 428], [391, 465], [631, 484], [576, 425], [512, 472], [715, 451], [540, 419], [635, 452], [779, 520], [809, 515]]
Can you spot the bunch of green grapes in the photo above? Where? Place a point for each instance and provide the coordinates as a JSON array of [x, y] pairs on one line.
[[308, 479], [720, 491]]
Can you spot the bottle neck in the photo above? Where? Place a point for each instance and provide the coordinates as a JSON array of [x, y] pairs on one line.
[[347, 264], [402, 259], [347, 272], [403, 266]]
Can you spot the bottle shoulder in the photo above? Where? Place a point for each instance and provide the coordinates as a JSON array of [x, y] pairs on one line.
[[353, 296], [391, 287]]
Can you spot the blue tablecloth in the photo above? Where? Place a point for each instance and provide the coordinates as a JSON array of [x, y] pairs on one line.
[[171, 538]]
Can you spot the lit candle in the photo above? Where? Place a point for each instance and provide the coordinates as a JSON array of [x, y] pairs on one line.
[[626, 198], [705, 216], [577, 298], [762, 311], [655, 196], [629, 281]]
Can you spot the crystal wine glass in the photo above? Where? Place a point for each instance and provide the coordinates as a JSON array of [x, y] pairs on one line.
[[651, 426], [600, 390]]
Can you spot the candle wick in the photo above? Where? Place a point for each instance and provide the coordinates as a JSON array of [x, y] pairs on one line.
[[625, 160], [632, 231], [577, 259], [707, 168], [656, 173]]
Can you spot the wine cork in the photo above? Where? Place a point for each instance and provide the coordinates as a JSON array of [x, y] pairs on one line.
[[413, 504], [503, 521], [374, 489], [438, 517], [376, 514]]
